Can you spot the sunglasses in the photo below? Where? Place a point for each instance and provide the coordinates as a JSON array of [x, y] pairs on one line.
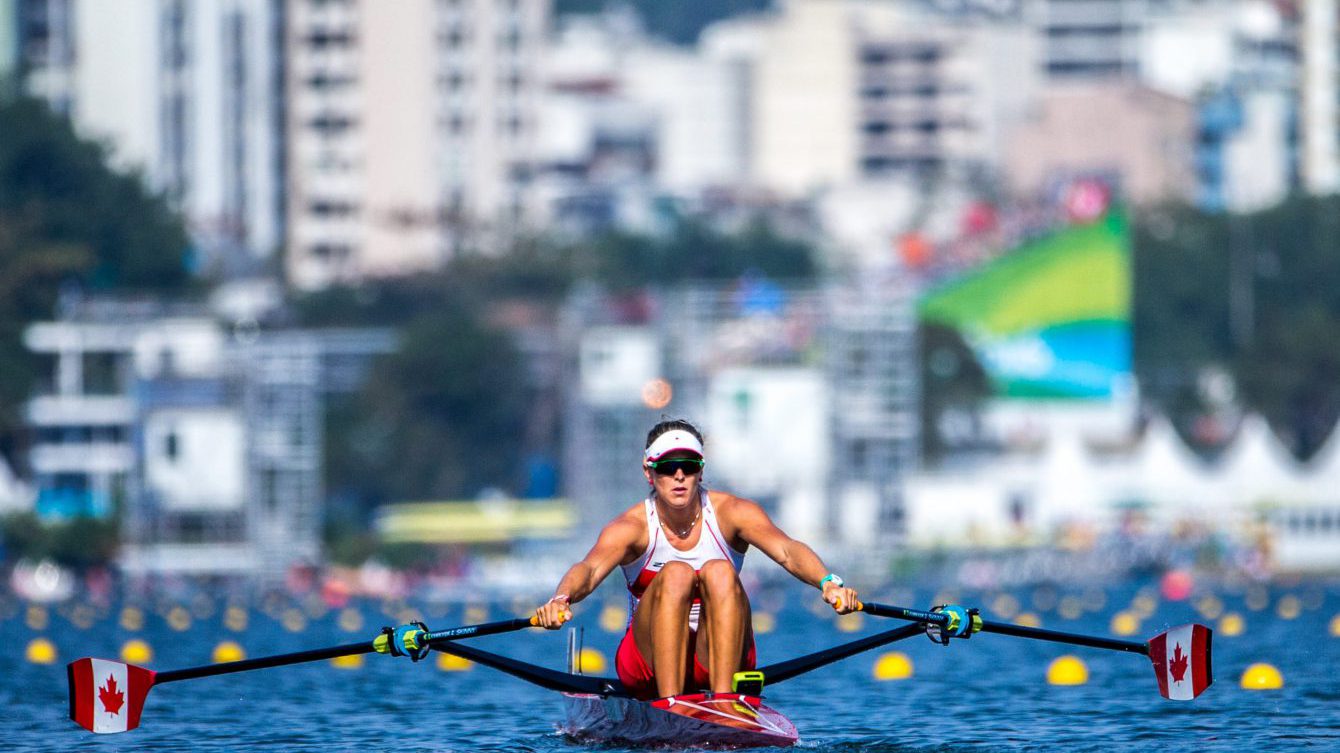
[[689, 466]]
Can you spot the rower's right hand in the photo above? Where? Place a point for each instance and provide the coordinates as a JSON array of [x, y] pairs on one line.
[[553, 613]]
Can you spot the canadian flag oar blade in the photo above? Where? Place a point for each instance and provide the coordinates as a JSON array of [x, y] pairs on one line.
[[1181, 659], [107, 696]]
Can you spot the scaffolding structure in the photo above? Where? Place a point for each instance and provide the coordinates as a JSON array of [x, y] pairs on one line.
[[281, 405], [858, 341]]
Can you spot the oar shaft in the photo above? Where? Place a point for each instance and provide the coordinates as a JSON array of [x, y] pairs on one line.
[[1056, 636], [244, 665], [1004, 628]]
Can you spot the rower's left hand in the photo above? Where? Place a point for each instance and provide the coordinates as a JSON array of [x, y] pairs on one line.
[[843, 598]]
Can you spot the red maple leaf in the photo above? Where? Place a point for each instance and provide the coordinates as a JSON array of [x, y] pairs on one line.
[[1178, 664], [111, 697]]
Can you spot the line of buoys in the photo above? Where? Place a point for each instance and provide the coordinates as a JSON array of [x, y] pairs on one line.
[[1028, 619], [452, 663], [235, 618], [1262, 676], [764, 623], [353, 661], [131, 619], [136, 651], [351, 620], [1289, 607], [613, 619], [893, 665], [1067, 670], [1070, 608], [850, 622], [40, 651], [1125, 623], [37, 617], [228, 651], [295, 621], [1005, 607], [179, 619], [1231, 625], [591, 661]]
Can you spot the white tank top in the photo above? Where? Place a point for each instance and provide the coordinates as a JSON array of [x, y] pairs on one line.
[[711, 546]]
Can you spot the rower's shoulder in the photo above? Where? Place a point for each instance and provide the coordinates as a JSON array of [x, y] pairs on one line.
[[629, 525]]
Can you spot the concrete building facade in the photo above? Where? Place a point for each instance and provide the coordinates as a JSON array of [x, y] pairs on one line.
[[189, 94], [412, 133]]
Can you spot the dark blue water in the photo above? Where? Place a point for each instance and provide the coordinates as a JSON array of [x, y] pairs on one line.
[[985, 694]]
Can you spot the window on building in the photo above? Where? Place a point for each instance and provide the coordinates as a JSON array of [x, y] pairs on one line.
[[171, 446]]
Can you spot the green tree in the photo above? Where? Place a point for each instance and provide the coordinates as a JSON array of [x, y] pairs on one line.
[[1253, 294], [67, 219]]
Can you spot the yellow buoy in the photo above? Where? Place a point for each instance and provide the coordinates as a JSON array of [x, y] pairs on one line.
[[475, 614], [1067, 670], [1231, 625], [849, 623], [1125, 623], [1262, 676], [1005, 606], [353, 661], [452, 663], [765, 623], [1071, 608], [294, 620], [37, 617], [351, 620], [1210, 607], [1257, 598], [1335, 626], [235, 619], [591, 661], [893, 666], [1289, 607], [1144, 605], [228, 651], [1028, 619], [132, 619], [40, 651], [136, 651], [179, 619], [613, 619]]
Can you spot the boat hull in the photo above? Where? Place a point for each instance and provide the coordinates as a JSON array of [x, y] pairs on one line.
[[724, 720]]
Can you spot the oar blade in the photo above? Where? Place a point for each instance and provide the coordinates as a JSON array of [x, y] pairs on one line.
[[1181, 658], [107, 696]]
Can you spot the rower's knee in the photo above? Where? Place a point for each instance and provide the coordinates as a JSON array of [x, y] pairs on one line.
[[675, 581], [718, 578]]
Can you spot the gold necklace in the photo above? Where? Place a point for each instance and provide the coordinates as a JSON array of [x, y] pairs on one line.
[[688, 529]]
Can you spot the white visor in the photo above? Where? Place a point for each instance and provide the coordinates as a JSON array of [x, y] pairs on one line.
[[677, 439]]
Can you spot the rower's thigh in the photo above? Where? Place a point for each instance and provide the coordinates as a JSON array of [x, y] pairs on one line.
[[676, 582]]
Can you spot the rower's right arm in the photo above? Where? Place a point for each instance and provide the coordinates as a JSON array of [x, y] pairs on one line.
[[616, 544]]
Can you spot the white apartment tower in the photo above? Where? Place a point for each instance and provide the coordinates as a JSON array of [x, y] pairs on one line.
[[1319, 96], [1088, 39], [188, 93], [412, 131]]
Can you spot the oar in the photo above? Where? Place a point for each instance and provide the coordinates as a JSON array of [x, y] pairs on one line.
[[108, 696], [1183, 672]]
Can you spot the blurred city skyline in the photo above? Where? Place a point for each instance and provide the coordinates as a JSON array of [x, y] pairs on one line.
[[465, 250]]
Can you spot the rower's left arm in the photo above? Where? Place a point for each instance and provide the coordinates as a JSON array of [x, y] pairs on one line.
[[795, 556]]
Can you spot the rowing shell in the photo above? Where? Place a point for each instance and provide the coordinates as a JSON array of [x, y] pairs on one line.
[[723, 720]]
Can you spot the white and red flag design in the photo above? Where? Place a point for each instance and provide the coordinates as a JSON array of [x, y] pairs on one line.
[[1181, 659], [107, 696]]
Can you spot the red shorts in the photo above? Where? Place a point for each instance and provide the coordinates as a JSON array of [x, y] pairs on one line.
[[636, 675]]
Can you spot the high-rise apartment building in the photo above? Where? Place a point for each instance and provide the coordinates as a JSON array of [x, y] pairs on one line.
[[187, 93], [1319, 95], [1090, 38], [411, 132]]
